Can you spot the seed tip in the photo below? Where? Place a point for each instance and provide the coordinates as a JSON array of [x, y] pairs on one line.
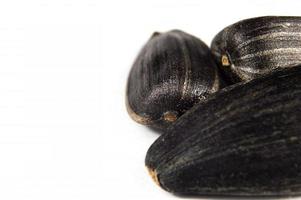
[[170, 116], [156, 33], [225, 60], [153, 174]]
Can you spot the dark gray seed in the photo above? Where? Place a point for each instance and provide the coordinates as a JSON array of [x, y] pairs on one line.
[[244, 140], [252, 47], [173, 71]]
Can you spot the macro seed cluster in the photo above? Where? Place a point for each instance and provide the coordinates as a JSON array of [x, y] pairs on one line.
[[230, 114]]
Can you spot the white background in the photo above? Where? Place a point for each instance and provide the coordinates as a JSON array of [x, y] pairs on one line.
[[64, 130]]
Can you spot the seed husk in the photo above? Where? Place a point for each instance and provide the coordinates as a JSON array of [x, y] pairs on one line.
[[257, 46], [173, 71], [244, 140]]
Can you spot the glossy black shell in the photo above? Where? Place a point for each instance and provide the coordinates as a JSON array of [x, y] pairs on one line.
[[244, 140], [173, 71], [257, 46]]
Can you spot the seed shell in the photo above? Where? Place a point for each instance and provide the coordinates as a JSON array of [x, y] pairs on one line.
[[244, 140], [173, 71], [257, 46]]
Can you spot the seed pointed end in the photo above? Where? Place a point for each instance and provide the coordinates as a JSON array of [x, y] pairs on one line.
[[170, 116], [154, 175], [225, 61]]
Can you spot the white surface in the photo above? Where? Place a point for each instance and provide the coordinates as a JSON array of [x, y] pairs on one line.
[[64, 130]]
